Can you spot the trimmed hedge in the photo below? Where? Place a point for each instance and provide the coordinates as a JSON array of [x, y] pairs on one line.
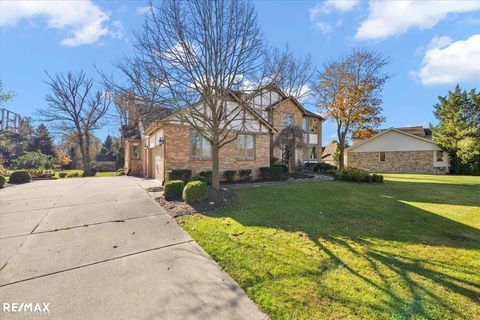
[[199, 178], [207, 175], [357, 175], [244, 174], [179, 174], [20, 176], [230, 175], [274, 173], [62, 174], [74, 175], [2, 181], [173, 189], [324, 167], [283, 167], [195, 191]]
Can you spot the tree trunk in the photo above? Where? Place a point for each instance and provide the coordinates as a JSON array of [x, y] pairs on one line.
[[87, 169], [81, 146], [215, 164], [341, 152]]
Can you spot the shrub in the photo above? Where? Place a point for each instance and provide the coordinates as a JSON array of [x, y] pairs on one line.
[[324, 167], [276, 173], [357, 175], [21, 176], [230, 175], [195, 191], [378, 178], [199, 178], [265, 172], [34, 173], [173, 189], [207, 175], [2, 181], [62, 174], [179, 174], [283, 168], [33, 160], [244, 174], [92, 173], [73, 174]]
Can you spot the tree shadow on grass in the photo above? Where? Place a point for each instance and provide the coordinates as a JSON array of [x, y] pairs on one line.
[[373, 234]]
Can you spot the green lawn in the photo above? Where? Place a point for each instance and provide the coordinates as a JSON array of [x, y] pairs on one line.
[[80, 173], [406, 249]]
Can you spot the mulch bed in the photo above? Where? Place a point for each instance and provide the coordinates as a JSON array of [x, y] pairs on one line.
[[216, 199]]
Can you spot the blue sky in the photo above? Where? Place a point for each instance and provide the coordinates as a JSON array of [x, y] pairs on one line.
[[431, 45]]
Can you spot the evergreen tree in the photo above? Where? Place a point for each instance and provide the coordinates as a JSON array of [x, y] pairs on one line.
[[458, 130], [42, 141]]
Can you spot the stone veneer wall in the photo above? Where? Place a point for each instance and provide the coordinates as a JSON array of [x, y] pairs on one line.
[[177, 153], [395, 161]]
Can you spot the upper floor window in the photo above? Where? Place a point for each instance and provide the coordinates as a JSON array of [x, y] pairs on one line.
[[313, 125], [200, 148], [439, 156], [382, 156], [288, 119], [246, 146], [136, 151]]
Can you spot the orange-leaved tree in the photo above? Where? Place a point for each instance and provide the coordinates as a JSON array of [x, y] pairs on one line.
[[348, 92]]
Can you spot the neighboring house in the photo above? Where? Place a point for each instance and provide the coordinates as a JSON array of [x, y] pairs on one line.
[[398, 150], [158, 139], [329, 154]]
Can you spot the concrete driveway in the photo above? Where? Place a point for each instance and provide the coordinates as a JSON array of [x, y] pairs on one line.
[[101, 248]]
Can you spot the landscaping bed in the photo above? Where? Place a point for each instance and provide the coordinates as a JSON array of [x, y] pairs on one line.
[[215, 199]]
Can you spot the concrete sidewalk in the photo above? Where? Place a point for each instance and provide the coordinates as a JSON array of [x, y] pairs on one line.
[[101, 248]]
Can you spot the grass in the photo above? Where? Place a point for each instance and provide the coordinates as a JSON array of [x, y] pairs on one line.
[[406, 249]]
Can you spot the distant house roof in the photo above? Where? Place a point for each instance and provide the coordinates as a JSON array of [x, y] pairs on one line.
[[418, 131], [130, 132], [404, 132], [329, 151]]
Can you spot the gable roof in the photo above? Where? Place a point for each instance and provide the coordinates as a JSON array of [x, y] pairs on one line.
[[299, 105], [390, 130]]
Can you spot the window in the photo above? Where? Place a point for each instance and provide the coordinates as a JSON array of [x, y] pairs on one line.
[[246, 146], [288, 120], [313, 126], [312, 152], [439, 155], [199, 147], [135, 151], [305, 123], [382, 156]]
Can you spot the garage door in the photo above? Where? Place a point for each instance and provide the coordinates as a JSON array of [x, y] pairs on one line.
[[158, 163]]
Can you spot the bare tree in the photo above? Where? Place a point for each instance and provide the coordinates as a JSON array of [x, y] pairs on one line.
[[290, 138], [293, 74], [348, 92], [189, 56], [74, 106]]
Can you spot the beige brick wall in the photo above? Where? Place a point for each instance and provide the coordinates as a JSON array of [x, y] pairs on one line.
[[177, 153], [277, 117], [277, 122], [395, 161]]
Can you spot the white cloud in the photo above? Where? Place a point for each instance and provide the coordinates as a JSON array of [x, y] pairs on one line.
[[390, 18], [447, 62], [143, 10], [83, 21], [332, 5], [323, 27]]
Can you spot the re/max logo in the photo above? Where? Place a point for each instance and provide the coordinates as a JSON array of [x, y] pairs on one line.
[[26, 307]]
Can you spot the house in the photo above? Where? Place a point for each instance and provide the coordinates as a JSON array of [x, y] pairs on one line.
[[398, 150], [159, 139], [328, 154]]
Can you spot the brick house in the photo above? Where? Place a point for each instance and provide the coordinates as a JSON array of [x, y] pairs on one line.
[[158, 140], [398, 150]]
